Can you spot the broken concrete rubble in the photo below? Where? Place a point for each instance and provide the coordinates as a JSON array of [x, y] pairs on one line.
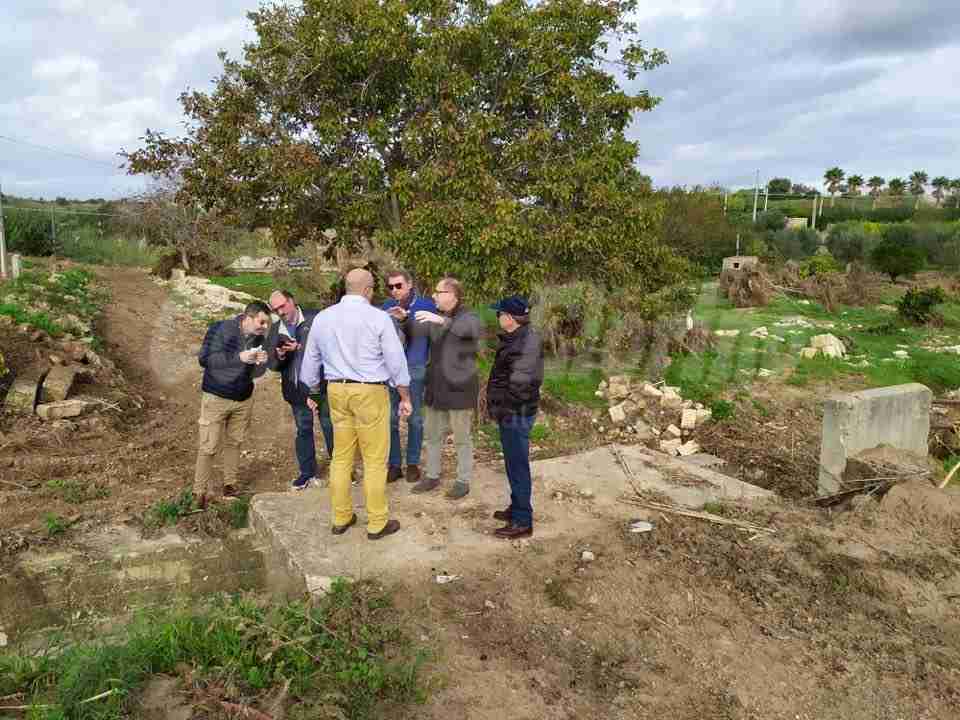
[[58, 383], [63, 409]]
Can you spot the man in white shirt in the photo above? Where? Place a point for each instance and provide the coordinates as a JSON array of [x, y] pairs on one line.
[[360, 354]]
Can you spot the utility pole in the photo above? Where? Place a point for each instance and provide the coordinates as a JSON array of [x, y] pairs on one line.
[[3, 242], [766, 197], [756, 195], [53, 232], [725, 201], [738, 244], [813, 214]]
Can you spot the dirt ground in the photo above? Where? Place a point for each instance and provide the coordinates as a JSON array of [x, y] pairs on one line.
[[846, 613]]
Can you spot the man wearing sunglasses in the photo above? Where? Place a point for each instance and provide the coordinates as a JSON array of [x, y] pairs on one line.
[[286, 342], [402, 306]]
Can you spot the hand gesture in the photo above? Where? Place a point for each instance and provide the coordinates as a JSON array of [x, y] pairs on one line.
[[425, 316], [398, 313], [405, 408], [311, 404], [249, 357]]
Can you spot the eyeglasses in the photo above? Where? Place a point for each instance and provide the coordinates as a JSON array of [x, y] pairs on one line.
[[441, 292], [395, 286]]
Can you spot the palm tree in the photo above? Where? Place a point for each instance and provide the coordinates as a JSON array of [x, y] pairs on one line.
[[896, 187], [917, 182], [940, 185], [955, 189], [876, 184], [854, 183], [833, 176]]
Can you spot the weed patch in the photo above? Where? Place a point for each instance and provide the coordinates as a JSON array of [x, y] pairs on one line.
[[169, 511], [54, 524], [343, 655], [558, 595], [77, 491]]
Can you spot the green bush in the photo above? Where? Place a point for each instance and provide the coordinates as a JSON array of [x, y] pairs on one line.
[[28, 233], [894, 258], [795, 244], [819, 265], [852, 240], [917, 305]]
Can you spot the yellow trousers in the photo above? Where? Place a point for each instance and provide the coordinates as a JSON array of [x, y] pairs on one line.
[[361, 417]]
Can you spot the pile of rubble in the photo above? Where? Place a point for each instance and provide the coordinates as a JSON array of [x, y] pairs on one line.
[[642, 408], [208, 297], [49, 387], [828, 345]]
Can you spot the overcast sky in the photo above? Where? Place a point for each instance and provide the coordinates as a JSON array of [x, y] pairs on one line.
[[786, 88]]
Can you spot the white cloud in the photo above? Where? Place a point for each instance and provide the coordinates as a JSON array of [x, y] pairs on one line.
[[64, 66], [109, 15], [211, 37]]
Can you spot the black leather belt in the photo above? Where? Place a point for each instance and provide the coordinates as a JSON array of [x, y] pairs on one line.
[[357, 382]]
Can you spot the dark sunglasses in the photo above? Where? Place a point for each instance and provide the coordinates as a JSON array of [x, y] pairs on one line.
[[395, 286]]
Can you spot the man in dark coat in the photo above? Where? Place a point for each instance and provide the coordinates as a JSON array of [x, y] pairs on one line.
[[286, 342], [452, 385], [513, 396], [231, 354]]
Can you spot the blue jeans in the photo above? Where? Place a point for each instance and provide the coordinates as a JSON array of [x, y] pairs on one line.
[[304, 444], [414, 422], [515, 440]]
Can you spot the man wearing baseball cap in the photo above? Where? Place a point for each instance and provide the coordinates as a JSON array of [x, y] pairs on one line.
[[513, 396]]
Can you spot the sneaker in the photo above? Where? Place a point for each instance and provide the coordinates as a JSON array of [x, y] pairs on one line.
[[302, 483], [413, 473], [389, 529], [341, 529], [426, 485], [394, 473], [457, 491]]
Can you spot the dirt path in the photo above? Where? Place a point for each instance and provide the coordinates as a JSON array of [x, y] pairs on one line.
[[142, 450]]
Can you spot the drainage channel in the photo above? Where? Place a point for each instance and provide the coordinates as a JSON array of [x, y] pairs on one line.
[[108, 575]]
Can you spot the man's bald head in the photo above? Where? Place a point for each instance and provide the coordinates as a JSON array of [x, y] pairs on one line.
[[358, 281]]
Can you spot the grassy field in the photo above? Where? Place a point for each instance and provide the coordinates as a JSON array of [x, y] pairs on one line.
[[872, 336]]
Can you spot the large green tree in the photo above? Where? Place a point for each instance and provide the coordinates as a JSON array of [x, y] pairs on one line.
[[481, 138], [918, 181], [854, 184], [779, 186], [940, 186], [833, 178], [896, 187], [875, 184]]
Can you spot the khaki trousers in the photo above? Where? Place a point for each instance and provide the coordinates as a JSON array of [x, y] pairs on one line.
[[361, 417], [223, 426], [435, 424]]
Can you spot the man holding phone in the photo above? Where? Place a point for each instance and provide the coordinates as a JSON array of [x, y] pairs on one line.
[[231, 354], [402, 307], [286, 343]]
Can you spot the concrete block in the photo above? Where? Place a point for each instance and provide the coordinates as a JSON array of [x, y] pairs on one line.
[[670, 446], [651, 390], [618, 415], [63, 409], [896, 416], [688, 420], [688, 448], [674, 431], [59, 383], [25, 393]]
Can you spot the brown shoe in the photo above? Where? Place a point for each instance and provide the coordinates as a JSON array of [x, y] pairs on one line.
[[394, 473], [504, 515], [426, 485], [513, 532], [341, 529], [413, 473], [389, 529]]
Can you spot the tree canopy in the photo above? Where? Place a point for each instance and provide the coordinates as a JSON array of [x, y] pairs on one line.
[[481, 138]]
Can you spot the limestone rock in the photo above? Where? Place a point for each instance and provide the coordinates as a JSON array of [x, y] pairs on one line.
[[63, 409], [58, 384], [809, 352], [651, 390], [23, 395], [688, 448], [643, 431], [670, 446], [829, 345], [618, 415], [760, 332], [688, 420], [674, 431], [671, 400]]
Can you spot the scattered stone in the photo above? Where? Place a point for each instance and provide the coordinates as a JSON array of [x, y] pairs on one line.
[[763, 372], [446, 579], [651, 390], [24, 393], [829, 345], [587, 556], [640, 526], [489, 605], [63, 409], [702, 415], [178, 274], [688, 448], [587, 493], [902, 354], [688, 420], [886, 308], [671, 400], [670, 446], [674, 431], [618, 415], [726, 333], [319, 584], [643, 431], [618, 387], [760, 332], [59, 384]]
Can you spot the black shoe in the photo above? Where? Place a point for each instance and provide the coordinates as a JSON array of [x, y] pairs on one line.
[[513, 532], [341, 529], [426, 485], [394, 473], [413, 473], [504, 515], [389, 529]]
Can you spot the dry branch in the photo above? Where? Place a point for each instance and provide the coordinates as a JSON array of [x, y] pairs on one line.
[[716, 519]]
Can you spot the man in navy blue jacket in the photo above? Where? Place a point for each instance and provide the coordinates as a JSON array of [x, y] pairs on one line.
[[231, 353], [286, 342], [402, 307]]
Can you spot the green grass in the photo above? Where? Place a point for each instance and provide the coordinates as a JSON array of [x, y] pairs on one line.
[[170, 510], [77, 491], [302, 284], [86, 245], [54, 524], [575, 387], [344, 655]]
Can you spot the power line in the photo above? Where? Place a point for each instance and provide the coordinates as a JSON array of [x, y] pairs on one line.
[[59, 152]]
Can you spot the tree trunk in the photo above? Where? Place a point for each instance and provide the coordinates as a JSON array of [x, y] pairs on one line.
[[184, 260]]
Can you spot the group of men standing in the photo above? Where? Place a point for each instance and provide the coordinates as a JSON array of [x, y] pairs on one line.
[[361, 370]]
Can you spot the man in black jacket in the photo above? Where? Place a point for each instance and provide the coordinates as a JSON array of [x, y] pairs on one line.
[[231, 353], [452, 386], [286, 342], [513, 396]]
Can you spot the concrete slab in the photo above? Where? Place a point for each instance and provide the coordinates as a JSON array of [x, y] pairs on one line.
[[572, 495]]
